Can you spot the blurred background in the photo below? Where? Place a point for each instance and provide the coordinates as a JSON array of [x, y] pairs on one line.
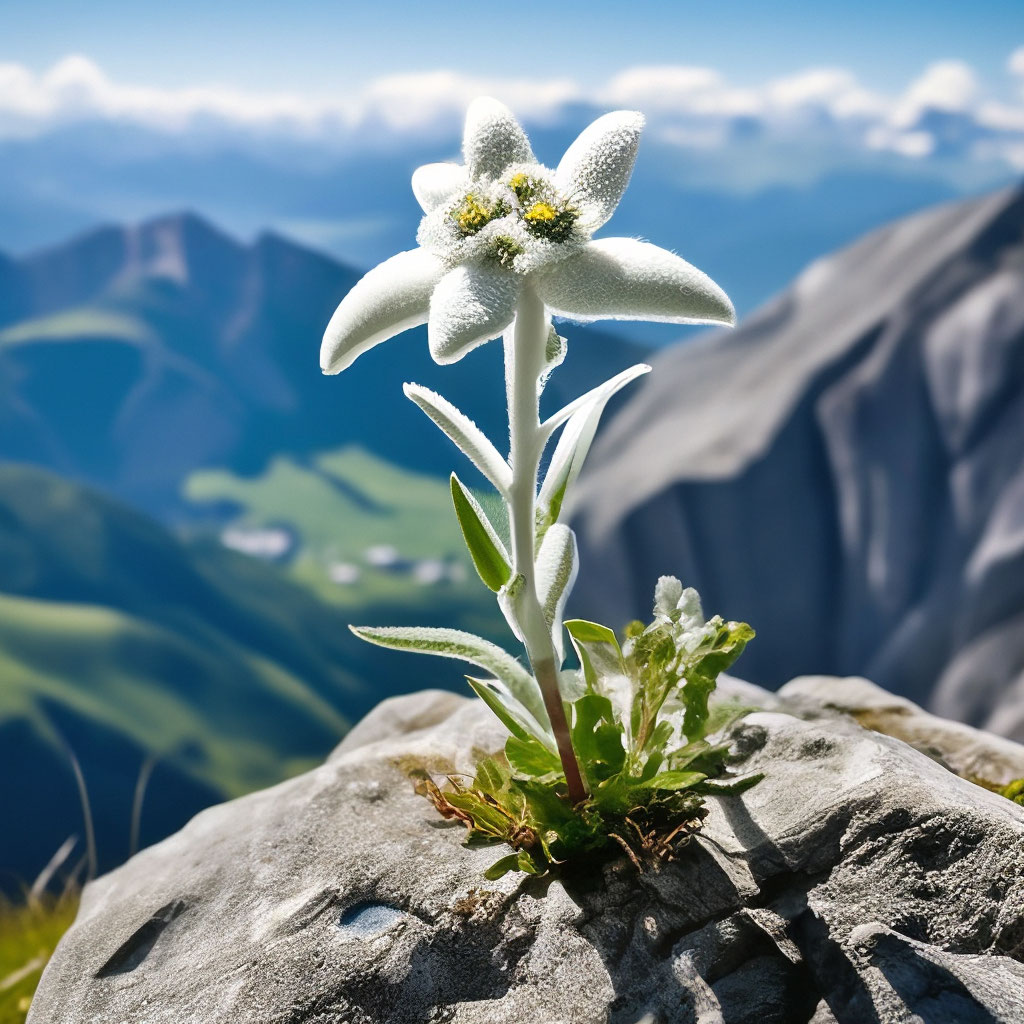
[[190, 514]]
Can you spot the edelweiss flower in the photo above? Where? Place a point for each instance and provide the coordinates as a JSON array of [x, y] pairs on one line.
[[503, 221]]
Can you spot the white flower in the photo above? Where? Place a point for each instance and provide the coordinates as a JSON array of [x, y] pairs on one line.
[[501, 221]]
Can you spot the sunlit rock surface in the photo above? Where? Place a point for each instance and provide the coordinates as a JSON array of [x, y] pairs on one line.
[[845, 471], [860, 881]]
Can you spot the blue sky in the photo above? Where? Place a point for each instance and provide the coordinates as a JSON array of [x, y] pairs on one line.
[[319, 44], [308, 117], [119, 110]]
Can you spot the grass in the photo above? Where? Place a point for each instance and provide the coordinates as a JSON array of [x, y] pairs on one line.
[[339, 506], [29, 933], [111, 668], [235, 712]]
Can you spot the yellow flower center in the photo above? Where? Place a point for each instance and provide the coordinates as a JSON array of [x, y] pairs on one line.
[[471, 216], [540, 212], [522, 186], [555, 223]]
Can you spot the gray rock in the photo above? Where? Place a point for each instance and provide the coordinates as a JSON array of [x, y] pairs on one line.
[[844, 471], [972, 753], [859, 882]]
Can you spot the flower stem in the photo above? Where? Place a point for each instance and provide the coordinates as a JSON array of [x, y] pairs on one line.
[[525, 344]]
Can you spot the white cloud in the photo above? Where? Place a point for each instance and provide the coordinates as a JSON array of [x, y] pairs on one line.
[[1015, 65], [688, 106], [679, 89], [833, 89], [948, 86]]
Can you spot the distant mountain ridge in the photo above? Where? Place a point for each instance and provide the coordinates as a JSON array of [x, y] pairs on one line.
[[845, 471], [132, 356], [749, 216], [124, 641]]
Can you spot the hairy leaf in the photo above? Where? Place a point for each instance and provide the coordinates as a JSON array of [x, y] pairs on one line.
[[508, 602], [556, 567], [581, 419], [509, 711], [465, 434], [554, 354], [454, 643]]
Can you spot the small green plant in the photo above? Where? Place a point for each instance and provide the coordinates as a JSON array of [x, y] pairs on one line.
[[1014, 791], [640, 722], [29, 932], [615, 752]]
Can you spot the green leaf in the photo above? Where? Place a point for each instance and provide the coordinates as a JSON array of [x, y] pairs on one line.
[[674, 781], [725, 713], [502, 867], [491, 777], [655, 657], [454, 643], [659, 736], [509, 711], [683, 756], [598, 649], [556, 566], [597, 737], [715, 787], [651, 766], [485, 547], [702, 674], [526, 863], [465, 434], [547, 810], [604, 669], [696, 693], [592, 632], [487, 819], [528, 757], [581, 419]]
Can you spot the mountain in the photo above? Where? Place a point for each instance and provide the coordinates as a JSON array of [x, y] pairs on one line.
[[131, 357], [120, 641], [845, 471], [750, 212]]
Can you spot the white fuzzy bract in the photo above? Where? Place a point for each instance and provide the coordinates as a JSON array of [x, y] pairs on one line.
[[502, 221]]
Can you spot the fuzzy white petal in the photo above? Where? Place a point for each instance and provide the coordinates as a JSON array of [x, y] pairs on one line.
[[623, 279], [391, 298], [595, 169], [493, 139], [472, 304], [432, 184]]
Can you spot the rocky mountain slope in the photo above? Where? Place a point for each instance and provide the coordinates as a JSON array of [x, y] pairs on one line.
[[130, 357], [845, 471], [859, 881]]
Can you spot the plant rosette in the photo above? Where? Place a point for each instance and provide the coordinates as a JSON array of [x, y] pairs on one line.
[[618, 751], [644, 731]]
